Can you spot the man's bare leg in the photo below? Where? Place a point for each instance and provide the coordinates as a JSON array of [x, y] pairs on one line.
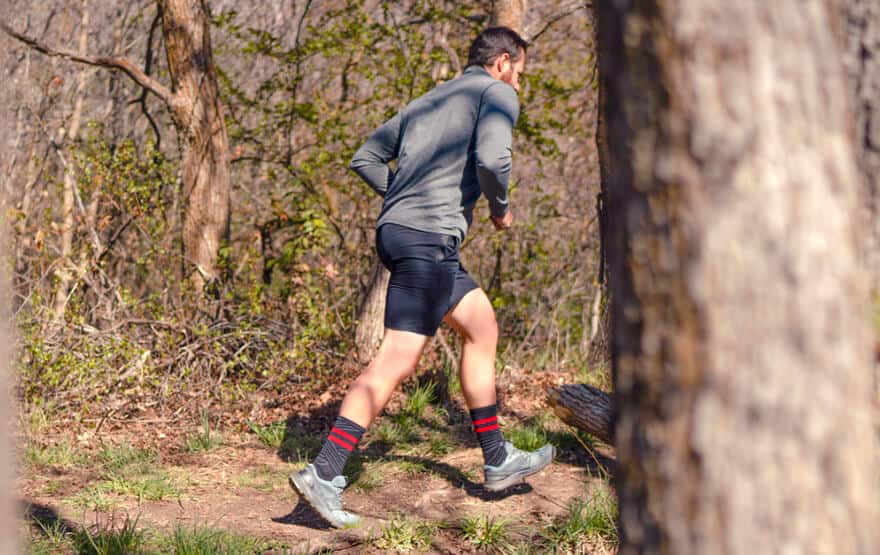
[[474, 319], [396, 360], [321, 482]]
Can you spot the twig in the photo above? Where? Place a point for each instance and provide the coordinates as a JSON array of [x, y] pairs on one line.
[[122, 64]]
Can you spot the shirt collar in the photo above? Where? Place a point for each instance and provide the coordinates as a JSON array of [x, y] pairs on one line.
[[476, 69]]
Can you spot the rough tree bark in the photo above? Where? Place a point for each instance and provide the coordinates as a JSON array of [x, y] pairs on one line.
[[861, 29], [584, 407], [198, 116], [509, 13], [741, 344], [194, 105], [371, 314]]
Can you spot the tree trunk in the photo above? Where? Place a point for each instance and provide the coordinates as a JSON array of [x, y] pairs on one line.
[[370, 317], [584, 407], [509, 13], [64, 271], [9, 521], [861, 29], [198, 116], [741, 345]]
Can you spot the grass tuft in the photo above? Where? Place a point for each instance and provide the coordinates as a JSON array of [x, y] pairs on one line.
[[205, 541], [594, 518], [418, 400], [205, 439], [486, 533], [404, 534], [528, 438], [271, 435], [109, 541], [62, 454]]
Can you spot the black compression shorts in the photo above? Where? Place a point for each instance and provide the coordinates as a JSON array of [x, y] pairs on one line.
[[427, 278]]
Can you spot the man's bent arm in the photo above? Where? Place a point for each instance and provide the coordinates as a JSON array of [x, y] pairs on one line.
[[370, 162], [498, 113]]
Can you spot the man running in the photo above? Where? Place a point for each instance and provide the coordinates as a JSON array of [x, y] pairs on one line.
[[451, 145]]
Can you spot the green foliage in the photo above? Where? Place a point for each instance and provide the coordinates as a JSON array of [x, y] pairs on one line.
[[528, 438], [124, 540], [205, 439], [418, 399], [594, 518], [272, 434], [206, 541], [486, 533], [63, 454], [403, 534]]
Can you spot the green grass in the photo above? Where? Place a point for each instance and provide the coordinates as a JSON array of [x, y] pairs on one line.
[[205, 439], [528, 437], [155, 486], [299, 447], [403, 534], [51, 538], [418, 399], [125, 540], [124, 456], [370, 477], [271, 435], [439, 445], [485, 533], [413, 467], [62, 454], [594, 518], [206, 541], [93, 498], [264, 478]]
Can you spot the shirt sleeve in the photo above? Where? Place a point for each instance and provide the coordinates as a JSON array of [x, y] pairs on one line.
[[370, 162], [499, 110]]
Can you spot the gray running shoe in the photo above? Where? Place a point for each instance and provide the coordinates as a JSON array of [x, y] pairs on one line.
[[324, 496], [517, 466]]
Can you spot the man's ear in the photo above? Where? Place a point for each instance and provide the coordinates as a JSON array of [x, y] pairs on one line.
[[502, 58]]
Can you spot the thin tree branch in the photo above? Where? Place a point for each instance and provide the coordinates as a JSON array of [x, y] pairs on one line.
[[555, 19], [126, 66]]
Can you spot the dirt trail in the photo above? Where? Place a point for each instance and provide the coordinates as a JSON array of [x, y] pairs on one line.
[[243, 489]]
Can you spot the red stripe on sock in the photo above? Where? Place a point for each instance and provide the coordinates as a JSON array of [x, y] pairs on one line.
[[485, 420], [345, 435], [487, 428], [341, 443]]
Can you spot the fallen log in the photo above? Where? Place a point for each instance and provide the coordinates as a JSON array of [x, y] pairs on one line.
[[584, 407]]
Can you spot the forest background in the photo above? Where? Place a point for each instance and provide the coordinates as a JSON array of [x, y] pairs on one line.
[[107, 321]]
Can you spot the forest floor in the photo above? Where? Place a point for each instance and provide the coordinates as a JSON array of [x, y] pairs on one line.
[[218, 484]]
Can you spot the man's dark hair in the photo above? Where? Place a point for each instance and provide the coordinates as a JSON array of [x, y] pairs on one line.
[[494, 42]]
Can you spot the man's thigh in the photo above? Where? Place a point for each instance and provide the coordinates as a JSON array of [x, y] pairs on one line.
[[474, 317]]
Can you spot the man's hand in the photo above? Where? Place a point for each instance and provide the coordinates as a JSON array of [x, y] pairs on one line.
[[504, 222]]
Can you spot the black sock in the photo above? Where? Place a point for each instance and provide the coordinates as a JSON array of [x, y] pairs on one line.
[[339, 445], [485, 422]]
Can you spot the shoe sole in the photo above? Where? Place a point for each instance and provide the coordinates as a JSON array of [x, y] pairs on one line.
[[304, 492], [520, 476]]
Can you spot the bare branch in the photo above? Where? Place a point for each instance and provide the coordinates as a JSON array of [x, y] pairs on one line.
[[549, 22], [126, 66]]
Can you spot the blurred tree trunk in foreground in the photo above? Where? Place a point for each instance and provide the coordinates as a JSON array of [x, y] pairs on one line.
[[741, 343], [861, 27], [9, 523], [861, 30]]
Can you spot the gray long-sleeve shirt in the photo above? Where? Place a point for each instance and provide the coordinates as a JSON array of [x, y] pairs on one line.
[[450, 145]]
